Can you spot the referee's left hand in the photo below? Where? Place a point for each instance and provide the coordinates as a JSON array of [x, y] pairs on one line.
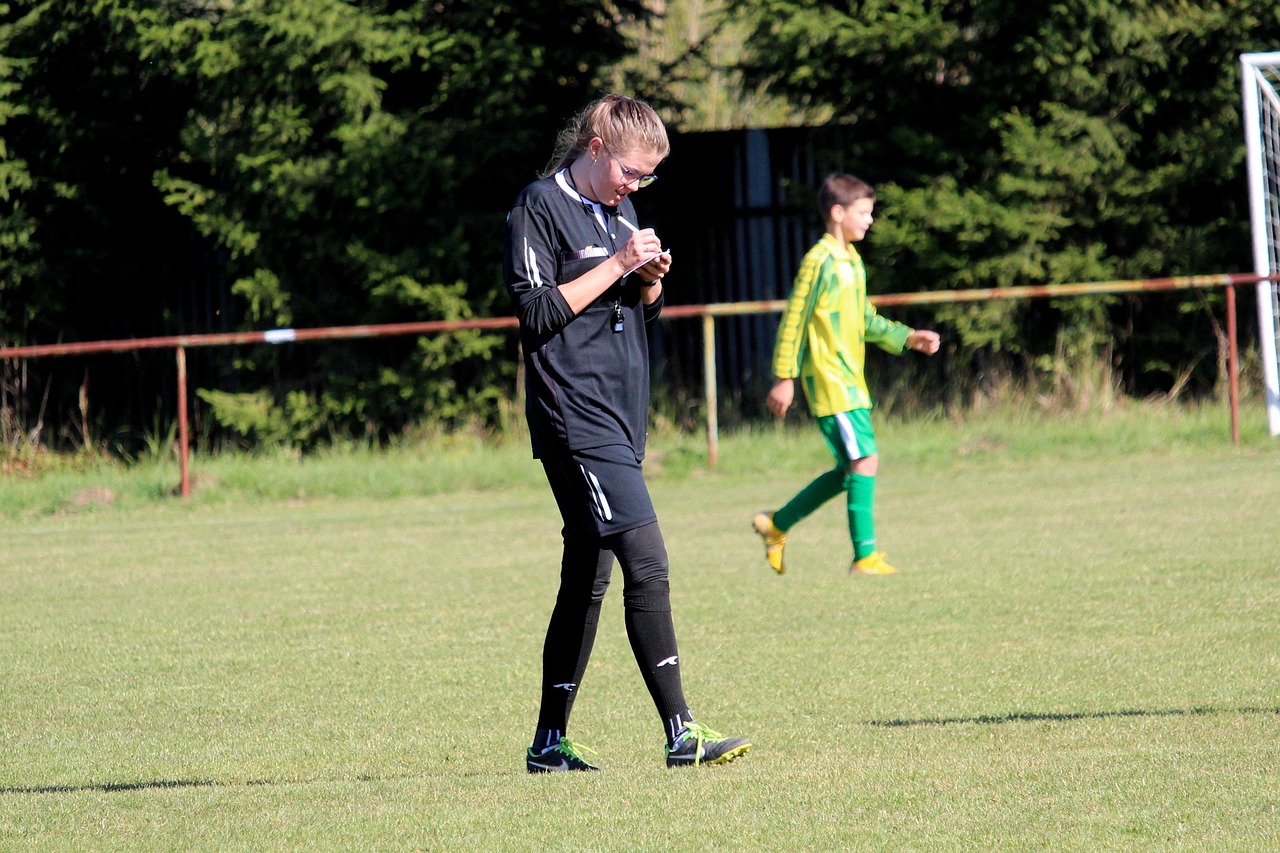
[[655, 269]]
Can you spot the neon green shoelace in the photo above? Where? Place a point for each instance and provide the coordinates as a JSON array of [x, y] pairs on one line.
[[701, 734], [574, 750]]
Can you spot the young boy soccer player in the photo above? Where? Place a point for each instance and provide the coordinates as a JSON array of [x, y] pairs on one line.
[[821, 341]]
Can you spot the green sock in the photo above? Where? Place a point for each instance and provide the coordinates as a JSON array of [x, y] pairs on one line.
[[812, 496], [862, 524]]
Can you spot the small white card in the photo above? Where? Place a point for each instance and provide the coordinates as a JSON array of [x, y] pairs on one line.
[[654, 256]]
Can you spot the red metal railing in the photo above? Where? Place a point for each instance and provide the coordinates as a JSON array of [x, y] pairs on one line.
[[708, 313]]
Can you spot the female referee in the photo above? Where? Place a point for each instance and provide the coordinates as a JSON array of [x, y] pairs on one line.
[[586, 280]]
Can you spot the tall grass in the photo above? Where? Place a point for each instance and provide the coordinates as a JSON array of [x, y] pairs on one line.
[[41, 483], [1079, 654]]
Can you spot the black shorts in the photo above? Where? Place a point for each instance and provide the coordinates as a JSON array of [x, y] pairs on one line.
[[600, 491]]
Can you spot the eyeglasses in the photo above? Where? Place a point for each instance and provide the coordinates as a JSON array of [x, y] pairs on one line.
[[631, 176]]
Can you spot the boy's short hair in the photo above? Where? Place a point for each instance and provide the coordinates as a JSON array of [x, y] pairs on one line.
[[843, 190]]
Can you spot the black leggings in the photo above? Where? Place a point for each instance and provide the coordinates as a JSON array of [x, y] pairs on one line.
[[585, 572]]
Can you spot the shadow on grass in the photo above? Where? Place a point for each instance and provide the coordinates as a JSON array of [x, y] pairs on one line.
[[992, 719], [172, 784], [117, 787], [1028, 717]]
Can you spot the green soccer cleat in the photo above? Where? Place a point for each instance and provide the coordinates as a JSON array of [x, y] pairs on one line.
[[700, 745], [774, 540], [559, 757], [872, 564]]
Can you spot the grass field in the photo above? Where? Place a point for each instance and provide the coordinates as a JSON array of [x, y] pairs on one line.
[[1082, 652]]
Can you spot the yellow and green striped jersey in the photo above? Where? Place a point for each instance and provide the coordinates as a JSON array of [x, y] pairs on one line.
[[825, 328]]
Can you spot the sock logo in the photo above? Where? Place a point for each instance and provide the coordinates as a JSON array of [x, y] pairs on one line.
[[671, 661], [567, 687]]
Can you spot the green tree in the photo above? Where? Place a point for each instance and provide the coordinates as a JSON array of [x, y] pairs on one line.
[[335, 162], [16, 228], [1032, 143], [84, 122], [686, 57]]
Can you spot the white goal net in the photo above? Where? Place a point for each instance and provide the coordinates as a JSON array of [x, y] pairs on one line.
[[1261, 72]]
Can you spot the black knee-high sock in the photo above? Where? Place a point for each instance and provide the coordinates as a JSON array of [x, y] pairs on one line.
[[571, 633], [647, 607], [564, 660], [653, 642]]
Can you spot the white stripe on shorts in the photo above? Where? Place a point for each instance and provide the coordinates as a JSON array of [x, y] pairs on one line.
[[848, 438], [600, 503]]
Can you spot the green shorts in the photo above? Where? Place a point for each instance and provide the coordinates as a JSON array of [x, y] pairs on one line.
[[849, 436]]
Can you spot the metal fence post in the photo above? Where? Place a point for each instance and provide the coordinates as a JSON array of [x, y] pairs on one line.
[[185, 485], [710, 391]]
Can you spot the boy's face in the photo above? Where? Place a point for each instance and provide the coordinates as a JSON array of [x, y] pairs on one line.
[[856, 219]]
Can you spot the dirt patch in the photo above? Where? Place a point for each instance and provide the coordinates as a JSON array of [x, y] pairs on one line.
[[92, 496]]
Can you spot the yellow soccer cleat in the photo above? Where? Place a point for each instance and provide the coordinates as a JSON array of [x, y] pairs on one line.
[[774, 540], [872, 564]]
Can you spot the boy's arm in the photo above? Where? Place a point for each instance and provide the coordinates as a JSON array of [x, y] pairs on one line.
[[893, 337], [788, 349], [889, 335]]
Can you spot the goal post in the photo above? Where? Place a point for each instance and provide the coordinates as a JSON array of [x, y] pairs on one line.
[[1261, 82]]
